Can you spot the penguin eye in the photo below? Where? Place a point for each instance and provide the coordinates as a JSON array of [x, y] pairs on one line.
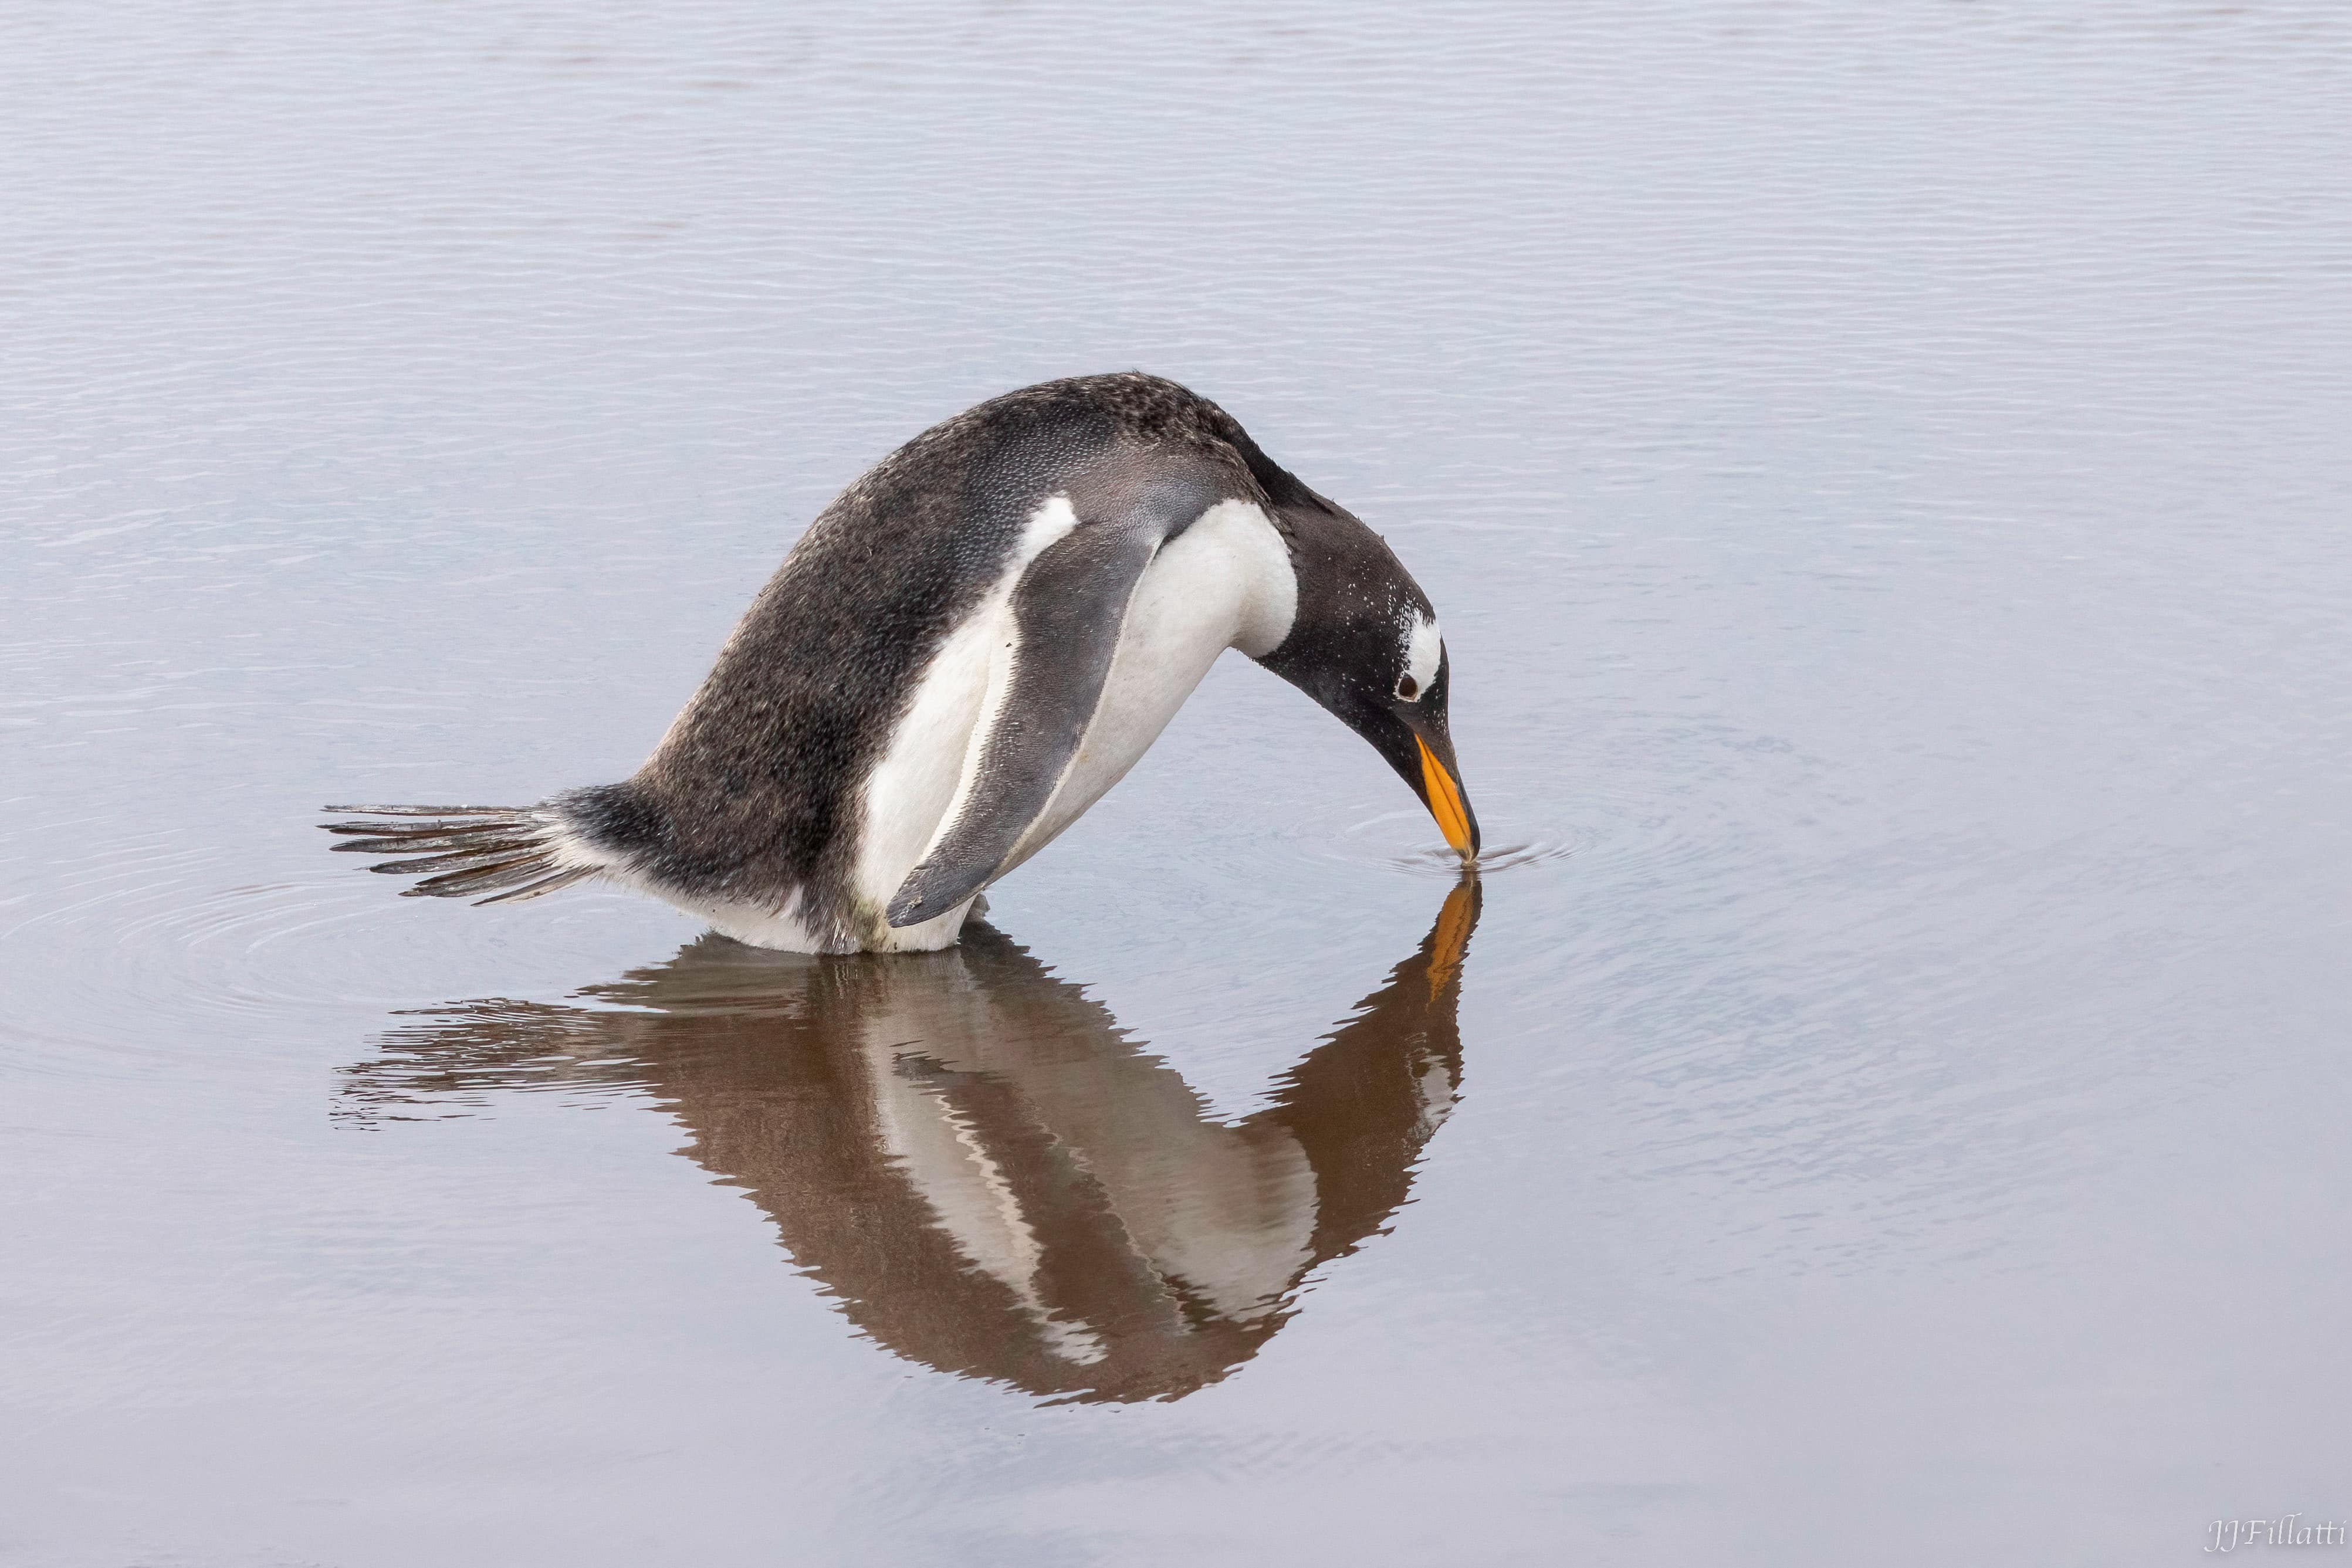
[[1408, 689]]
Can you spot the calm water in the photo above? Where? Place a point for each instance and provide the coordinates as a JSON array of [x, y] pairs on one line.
[[1884, 473]]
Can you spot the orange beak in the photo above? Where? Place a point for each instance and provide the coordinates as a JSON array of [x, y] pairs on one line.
[[1445, 802]]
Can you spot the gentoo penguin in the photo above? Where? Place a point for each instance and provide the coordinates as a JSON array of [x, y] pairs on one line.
[[966, 649]]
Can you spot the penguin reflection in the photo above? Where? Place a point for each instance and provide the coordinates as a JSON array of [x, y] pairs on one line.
[[968, 1153]]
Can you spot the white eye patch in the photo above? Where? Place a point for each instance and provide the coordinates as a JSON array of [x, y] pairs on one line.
[[1422, 649]]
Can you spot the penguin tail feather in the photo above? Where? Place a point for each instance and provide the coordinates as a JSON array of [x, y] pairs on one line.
[[493, 854]]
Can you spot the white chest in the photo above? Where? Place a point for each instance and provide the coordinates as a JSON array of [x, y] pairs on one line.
[[1225, 582]]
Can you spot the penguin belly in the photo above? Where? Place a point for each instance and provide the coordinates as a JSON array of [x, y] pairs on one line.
[[913, 786]]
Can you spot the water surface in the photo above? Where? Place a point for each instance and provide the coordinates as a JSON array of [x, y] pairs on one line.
[[1883, 475]]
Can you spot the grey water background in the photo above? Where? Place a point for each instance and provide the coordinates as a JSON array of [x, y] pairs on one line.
[[1883, 472]]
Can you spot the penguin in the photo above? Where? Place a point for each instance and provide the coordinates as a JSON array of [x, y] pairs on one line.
[[966, 649]]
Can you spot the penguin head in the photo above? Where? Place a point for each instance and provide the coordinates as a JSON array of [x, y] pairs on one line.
[[1364, 643]]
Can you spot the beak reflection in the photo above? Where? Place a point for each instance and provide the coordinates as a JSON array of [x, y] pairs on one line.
[[988, 1177]]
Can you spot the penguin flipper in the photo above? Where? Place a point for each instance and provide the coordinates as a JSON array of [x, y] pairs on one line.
[[1068, 610]]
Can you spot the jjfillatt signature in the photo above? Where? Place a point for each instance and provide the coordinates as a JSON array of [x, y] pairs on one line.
[[2229, 1534]]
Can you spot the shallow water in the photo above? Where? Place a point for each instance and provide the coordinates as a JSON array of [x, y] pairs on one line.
[[1884, 476]]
